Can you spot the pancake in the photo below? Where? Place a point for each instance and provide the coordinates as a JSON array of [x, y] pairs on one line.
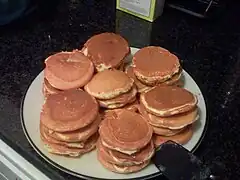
[[67, 151], [121, 169], [109, 84], [49, 89], [181, 138], [174, 122], [141, 87], [120, 100], [125, 131], [165, 131], [153, 65], [77, 135], [44, 132], [168, 100], [68, 70], [121, 159], [68, 111], [174, 80], [106, 50]]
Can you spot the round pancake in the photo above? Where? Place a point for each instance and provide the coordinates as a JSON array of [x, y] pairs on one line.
[[109, 84], [168, 100], [125, 131], [44, 132], [69, 110], [67, 151], [49, 89], [181, 138], [77, 135], [140, 86], [106, 50], [121, 169], [68, 70], [175, 79], [174, 122], [154, 65], [165, 131], [120, 100], [121, 159]]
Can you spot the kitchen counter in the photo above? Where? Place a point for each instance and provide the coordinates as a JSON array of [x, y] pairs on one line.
[[209, 51]]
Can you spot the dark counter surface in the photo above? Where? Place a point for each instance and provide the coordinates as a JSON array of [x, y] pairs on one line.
[[209, 50]]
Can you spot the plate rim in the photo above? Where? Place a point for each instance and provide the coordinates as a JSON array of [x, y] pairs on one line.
[[54, 164]]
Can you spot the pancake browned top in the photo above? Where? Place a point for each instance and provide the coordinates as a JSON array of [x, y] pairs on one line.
[[153, 61], [69, 110], [168, 100], [107, 49], [68, 66], [125, 130]]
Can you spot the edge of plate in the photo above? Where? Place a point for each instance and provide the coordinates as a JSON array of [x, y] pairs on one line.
[[85, 176]]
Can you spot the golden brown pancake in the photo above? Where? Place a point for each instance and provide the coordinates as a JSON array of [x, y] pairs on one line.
[[109, 84], [125, 131], [77, 135], [174, 122], [122, 159], [68, 111], [153, 65], [67, 151], [181, 138], [121, 169], [107, 50], [68, 70], [49, 89], [165, 131], [44, 132], [168, 100], [140, 86], [120, 100]]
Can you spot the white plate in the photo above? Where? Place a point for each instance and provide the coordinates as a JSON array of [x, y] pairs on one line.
[[88, 166]]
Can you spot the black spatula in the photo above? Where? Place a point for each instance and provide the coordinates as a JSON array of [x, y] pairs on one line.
[[177, 163]]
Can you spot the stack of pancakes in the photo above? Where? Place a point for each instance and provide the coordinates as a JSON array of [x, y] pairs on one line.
[[112, 88], [171, 111], [69, 123], [78, 70], [107, 51], [153, 66], [125, 143]]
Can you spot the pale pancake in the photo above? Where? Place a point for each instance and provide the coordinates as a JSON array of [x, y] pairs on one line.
[[122, 159], [121, 169], [69, 110], [107, 50], [168, 100], [181, 138], [109, 84], [77, 135], [174, 122], [120, 100], [67, 151], [68, 70], [125, 131]]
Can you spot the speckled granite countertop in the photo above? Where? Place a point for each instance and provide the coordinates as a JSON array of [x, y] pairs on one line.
[[209, 51]]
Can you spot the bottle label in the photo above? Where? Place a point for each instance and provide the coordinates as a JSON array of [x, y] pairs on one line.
[[142, 7]]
